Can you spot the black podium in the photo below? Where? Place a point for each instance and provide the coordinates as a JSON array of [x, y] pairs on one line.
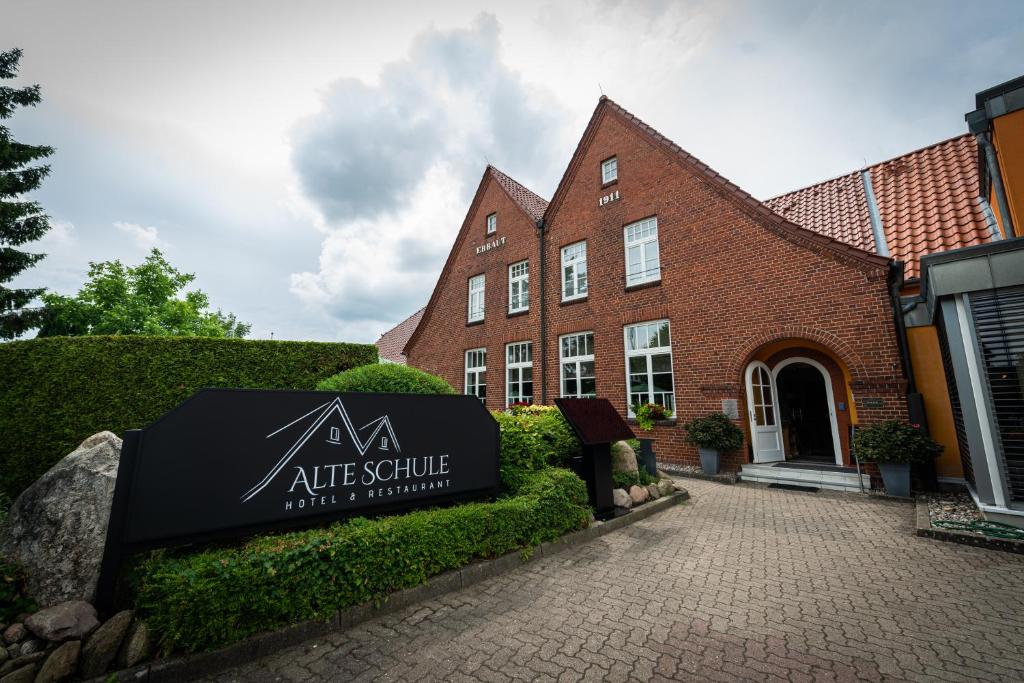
[[598, 425]]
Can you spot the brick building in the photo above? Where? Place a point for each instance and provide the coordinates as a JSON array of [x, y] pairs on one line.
[[651, 278]]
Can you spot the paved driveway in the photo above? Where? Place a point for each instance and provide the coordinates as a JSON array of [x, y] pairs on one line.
[[742, 583]]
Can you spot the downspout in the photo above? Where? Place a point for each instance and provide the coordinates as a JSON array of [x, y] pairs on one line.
[[1006, 229], [543, 318]]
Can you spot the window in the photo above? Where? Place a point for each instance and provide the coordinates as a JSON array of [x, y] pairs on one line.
[[649, 365], [476, 298], [576, 358], [609, 170], [519, 287], [642, 262], [476, 373], [492, 223], [574, 271], [518, 373]]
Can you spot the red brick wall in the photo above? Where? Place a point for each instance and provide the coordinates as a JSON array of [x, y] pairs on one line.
[[729, 285]]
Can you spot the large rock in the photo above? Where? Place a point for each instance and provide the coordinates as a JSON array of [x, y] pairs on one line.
[[102, 646], [58, 525], [623, 458], [638, 494], [61, 664], [66, 621], [621, 498], [136, 646], [25, 674]]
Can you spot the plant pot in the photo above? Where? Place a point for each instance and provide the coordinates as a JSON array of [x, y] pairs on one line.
[[896, 477], [710, 460], [646, 457]]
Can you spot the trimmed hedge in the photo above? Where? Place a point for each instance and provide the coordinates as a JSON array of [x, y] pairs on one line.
[[386, 378], [212, 598], [531, 439], [54, 392]]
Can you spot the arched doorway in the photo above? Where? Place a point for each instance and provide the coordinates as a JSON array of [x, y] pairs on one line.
[[792, 412]]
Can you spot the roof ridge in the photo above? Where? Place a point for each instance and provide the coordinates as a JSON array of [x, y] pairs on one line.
[[404, 321]]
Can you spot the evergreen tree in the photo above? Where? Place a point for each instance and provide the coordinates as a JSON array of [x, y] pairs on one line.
[[20, 221]]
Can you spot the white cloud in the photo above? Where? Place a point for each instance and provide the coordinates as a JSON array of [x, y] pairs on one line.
[[144, 237], [62, 234]]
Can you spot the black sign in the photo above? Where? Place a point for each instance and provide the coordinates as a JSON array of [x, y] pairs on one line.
[[231, 462], [594, 420]]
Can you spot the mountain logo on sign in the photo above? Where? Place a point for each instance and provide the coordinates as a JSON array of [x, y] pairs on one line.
[[377, 431]]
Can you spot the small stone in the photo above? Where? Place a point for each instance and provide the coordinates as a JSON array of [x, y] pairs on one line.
[[677, 486], [621, 498], [31, 646], [638, 494], [653, 492], [66, 621], [3, 654], [60, 665], [14, 633], [102, 646], [25, 674], [666, 486], [136, 646]]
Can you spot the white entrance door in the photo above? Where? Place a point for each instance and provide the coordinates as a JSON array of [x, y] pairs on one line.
[[762, 407]]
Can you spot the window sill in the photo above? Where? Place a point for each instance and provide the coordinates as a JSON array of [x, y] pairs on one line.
[[643, 285], [473, 323], [569, 302], [657, 423], [516, 314], [610, 183]]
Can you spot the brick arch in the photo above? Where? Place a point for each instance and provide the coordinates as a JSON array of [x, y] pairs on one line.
[[841, 349]]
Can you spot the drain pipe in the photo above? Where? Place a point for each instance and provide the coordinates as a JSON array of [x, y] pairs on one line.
[[989, 152], [915, 401], [543, 319]]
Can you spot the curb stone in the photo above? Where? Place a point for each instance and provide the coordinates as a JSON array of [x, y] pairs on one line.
[[686, 474], [926, 530], [202, 664]]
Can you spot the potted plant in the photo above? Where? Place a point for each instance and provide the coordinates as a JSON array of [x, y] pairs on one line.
[[713, 435], [646, 416], [894, 446]]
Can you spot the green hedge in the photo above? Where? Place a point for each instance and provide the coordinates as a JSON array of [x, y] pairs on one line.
[[54, 392], [531, 439], [386, 378], [209, 599]]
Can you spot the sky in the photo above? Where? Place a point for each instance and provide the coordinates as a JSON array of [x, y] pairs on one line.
[[312, 161]]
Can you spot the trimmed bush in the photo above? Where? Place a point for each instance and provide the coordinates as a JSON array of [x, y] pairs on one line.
[[54, 392], [212, 598], [715, 431], [894, 441], [532, 438], [386, 378]]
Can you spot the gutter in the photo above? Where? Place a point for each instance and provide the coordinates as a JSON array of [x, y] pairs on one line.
[[543, 317]]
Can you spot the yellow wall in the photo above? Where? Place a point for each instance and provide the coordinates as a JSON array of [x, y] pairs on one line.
[[1008, 139], [931, 382]]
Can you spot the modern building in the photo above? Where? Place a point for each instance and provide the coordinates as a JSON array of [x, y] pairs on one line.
[[650, 278]]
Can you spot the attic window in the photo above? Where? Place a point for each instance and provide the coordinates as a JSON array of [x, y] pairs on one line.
[[609, 170], [492, 224]]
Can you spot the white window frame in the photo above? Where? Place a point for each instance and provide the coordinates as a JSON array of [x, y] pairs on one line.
[[518, 357], [648, 352], [577, 360], [572, 258], [477, 299], [640, 236], [519, 287], [609, 170], [492, 223], [478, 372]]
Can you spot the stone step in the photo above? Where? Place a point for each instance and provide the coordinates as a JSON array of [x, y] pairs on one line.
[[824, 478]]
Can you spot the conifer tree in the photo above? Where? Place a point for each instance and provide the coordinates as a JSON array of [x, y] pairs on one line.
[[21, 221]]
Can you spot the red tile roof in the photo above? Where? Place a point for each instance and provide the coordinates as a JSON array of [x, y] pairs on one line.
[[532, 203], [392, 343], [927, 201]]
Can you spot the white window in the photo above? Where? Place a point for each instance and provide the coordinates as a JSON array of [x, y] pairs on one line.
[[576, 358], [519, 287], [476, 373], [518, 373], [649, 365], [476, 298], [574, 271], [642, 262], [492, 224], [609, 170]]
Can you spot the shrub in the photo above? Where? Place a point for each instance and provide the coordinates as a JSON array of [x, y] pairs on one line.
[[13, 600], [894, 441], [623, 480], [531, 438], [209, 599], [386, 378], [715, 431], [54, 392], [649, 413]]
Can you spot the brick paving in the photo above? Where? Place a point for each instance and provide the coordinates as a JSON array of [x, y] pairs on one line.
[[741, 583]]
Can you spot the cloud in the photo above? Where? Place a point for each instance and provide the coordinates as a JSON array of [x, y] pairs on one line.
[[144, 237], [390, 167]]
